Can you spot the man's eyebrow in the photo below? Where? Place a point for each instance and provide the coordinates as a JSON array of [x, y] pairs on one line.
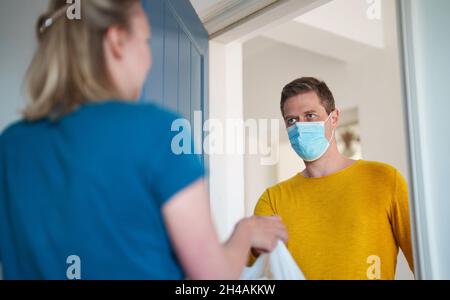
[[290, 117], [309, 112]]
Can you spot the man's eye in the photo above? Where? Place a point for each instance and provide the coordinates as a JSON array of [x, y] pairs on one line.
[[310, 116], [291, 121]]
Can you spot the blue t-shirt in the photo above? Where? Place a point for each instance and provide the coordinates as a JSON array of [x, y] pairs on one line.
[[91, 185]]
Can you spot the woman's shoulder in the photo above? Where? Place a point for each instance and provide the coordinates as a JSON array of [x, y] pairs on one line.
[[115, 115], [16, 129]]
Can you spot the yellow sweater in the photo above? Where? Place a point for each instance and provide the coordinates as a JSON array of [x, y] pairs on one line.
[[348, 225]]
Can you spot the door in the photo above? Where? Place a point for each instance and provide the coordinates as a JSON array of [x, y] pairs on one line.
[[179, 76], [426, 44]]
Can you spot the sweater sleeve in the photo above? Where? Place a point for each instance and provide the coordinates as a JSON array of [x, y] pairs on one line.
[[401, 225]]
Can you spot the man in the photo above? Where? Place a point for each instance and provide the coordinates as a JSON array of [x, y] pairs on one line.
[[346, 219]]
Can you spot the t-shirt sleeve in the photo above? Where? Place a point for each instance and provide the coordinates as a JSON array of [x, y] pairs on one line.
[[401, 219], [172, 171]]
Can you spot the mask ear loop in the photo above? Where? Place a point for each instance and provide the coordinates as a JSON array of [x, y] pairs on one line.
[[333, 132], [332, 137]]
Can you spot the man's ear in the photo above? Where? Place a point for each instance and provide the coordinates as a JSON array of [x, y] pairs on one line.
[[115, 41], [335, 118]]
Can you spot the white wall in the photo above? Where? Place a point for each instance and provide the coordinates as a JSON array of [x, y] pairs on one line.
[[17, 34], [226, 170], [370, 82], [347, 18]]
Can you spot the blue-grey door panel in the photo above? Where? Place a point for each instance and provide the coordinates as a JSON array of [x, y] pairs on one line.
[[153, 88], [171, 60], [184, 72], [178, 79], [179, 76], [198, 80]]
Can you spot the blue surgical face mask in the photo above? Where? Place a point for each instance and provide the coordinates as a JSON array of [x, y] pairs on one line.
[[308, 139]]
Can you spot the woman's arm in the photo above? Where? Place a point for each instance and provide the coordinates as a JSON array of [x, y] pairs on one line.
[[188, 220]]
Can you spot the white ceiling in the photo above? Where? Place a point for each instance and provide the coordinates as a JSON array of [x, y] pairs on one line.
[[347, 18], [204, 7], [217, 15], [345, 22]]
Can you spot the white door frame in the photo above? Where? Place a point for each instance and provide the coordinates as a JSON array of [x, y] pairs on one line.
[[425, 71]]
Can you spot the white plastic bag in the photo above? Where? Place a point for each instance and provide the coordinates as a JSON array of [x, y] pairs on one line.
[[277, 265]]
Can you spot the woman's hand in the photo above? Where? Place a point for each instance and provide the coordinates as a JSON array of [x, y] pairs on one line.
[[191, 229], [265, 232]]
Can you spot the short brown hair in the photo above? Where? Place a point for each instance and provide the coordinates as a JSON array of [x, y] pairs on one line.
[[69, 67], [307, 84]]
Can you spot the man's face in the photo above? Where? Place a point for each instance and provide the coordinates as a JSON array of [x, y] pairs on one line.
[[308, 108]]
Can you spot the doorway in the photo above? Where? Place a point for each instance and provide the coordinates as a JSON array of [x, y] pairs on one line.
[[251, 62]]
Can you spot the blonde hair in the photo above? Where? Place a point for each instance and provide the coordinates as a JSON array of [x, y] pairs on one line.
[[69, 67]]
